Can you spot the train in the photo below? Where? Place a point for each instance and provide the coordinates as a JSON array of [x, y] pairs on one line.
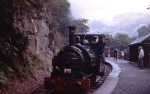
[[78, 66]]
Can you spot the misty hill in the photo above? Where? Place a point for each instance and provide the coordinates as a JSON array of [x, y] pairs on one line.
[[125, 23]]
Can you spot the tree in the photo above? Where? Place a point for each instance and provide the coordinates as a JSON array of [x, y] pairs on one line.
[[118, 41], [81, 25], [143, 30], [60, 10], [123, 40]]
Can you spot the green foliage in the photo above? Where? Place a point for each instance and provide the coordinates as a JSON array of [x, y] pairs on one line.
[[13, 43], [12, 47]]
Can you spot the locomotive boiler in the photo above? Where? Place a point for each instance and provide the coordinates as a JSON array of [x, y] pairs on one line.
[[77, 67]]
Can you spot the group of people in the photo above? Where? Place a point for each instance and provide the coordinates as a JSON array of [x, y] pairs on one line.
[[119, 54], [140, 56]]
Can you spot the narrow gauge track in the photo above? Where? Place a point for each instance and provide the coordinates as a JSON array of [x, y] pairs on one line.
[[108, 69]]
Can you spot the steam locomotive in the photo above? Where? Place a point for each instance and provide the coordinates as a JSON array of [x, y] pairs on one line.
[[78, 66]]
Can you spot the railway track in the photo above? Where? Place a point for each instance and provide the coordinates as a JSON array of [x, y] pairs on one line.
[[101, 80]]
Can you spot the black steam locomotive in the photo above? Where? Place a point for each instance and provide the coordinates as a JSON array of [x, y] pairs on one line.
[[78, 66]]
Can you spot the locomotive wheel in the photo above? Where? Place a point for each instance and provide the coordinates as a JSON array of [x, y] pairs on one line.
[[93, 80]]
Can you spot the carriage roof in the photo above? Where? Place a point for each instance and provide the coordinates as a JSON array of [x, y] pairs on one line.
[[90, 34]]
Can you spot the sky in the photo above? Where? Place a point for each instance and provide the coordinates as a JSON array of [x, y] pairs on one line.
[[107, 15]]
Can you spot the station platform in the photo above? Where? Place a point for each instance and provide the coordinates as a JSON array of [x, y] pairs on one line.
[[126, 78]]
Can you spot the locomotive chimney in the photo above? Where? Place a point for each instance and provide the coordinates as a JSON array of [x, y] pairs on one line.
[[71, 34]]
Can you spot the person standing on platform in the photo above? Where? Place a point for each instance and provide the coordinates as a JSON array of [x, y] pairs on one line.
[[116, 54], [122, 54], [141, 57]]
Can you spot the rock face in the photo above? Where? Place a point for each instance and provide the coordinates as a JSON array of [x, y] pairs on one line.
[[43, 21], [32, 28]]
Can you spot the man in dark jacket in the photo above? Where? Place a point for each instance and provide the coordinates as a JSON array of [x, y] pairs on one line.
[[98, 48]]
